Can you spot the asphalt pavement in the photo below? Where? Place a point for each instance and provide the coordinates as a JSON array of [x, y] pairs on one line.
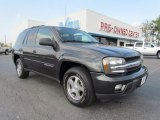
[[41, 98]]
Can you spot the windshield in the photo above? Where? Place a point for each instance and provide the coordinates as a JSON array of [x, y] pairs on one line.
[[74, 35]]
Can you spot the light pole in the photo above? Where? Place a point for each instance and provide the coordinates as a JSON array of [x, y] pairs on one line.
[[5, 39]]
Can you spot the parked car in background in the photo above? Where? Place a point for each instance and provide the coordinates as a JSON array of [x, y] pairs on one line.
[[5, 50], [146, 48]]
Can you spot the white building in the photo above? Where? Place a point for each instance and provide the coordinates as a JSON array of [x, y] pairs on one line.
[[107, 30], [24, 25]]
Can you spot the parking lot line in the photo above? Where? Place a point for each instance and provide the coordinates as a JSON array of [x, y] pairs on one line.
[[154, 70]]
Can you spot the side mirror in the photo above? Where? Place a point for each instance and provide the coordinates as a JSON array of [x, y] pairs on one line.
[[46, 42]]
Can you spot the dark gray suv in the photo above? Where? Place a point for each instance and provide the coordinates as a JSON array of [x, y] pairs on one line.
[[87, 69]]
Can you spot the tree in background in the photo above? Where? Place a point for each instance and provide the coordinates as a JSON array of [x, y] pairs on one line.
[[148, 29], [157, 28], [151, 30], [2, 44]]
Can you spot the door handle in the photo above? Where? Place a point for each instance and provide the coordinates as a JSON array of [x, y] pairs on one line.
[[145, 48], [34, 51]]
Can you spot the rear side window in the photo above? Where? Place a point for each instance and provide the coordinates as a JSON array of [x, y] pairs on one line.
[[44, 33], [139, 44], [31, 41], [21, 37], [148, 45]]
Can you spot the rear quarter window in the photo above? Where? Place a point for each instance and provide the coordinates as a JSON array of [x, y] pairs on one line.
[[21, 37]]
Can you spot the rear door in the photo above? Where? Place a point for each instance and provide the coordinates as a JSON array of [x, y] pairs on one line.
[[29, 49], [45, 55]]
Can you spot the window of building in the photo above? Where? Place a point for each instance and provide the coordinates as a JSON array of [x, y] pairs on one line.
[[97, 38], [121, 44], [129, 45], [104, 41], [139, 44]]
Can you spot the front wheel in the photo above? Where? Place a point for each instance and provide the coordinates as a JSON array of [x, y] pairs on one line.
[[20, 69], [158, 55], [78, 87]]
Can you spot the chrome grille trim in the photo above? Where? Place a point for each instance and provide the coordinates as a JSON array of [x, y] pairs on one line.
[[128, 65]]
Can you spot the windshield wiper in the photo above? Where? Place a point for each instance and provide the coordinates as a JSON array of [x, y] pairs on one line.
[[78, 41], [70, 41]]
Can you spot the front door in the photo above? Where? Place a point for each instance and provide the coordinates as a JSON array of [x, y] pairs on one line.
[[149, 49], [45, 55], [139, 47]]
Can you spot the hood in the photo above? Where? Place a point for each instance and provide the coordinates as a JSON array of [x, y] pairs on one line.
[[114, 51], [107, 50]]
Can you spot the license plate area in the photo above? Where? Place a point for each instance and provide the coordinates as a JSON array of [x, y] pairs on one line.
[[143, 80]]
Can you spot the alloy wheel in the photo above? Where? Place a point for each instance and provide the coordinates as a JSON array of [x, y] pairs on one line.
[[75, 88], [19, 68]]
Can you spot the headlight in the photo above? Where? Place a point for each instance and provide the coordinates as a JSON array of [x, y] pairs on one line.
[[110, 62]]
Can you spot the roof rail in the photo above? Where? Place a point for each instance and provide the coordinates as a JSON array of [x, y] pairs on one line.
[[37, 26]]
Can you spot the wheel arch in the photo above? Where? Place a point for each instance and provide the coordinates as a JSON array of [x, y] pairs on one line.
[[15, 57], [158, 52], [66, 65]]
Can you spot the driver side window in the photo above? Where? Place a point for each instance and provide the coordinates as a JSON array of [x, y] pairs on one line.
[[44, 33]]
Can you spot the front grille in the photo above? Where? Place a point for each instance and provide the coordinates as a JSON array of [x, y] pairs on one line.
[[133, 68], [132, 59]]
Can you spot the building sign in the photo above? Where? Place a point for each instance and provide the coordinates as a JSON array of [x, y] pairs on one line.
[[109, 28], [70, 23]]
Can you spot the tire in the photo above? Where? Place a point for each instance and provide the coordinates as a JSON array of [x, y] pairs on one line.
[[158, 55], [78, 87], [6, 52], [20, 70]]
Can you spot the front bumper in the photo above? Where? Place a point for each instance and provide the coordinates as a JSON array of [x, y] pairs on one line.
[[105, 86]]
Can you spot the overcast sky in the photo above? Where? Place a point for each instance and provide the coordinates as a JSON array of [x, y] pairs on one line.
[[13, 12]]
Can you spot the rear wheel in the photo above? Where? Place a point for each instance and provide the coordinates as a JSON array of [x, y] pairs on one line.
[[158, 55], [20, 69], [78, 87]]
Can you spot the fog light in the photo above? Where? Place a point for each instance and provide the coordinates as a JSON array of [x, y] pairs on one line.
[[120, 87]]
